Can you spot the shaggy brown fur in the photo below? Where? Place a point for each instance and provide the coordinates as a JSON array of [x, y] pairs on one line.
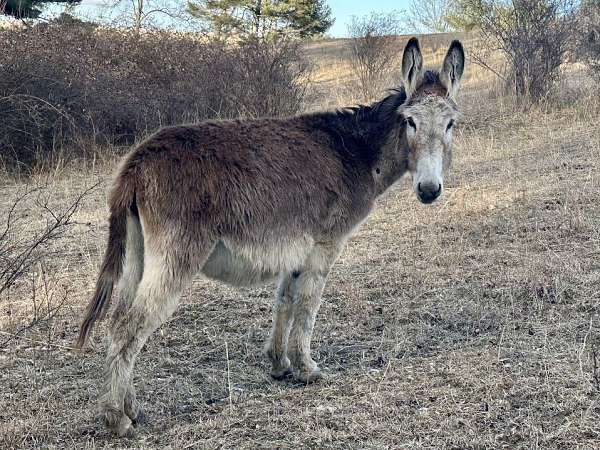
[[245, 201]]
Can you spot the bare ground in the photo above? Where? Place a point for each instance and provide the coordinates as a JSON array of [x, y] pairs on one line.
[[469, 324]]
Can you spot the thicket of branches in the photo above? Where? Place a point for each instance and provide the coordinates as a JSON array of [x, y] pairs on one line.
[[534, 36], [588, 43], [26, 250], [73, 85], [374, 51], [429, 16]]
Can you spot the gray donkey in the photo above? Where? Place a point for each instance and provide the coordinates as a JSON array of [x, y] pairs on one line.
[[244, 201]]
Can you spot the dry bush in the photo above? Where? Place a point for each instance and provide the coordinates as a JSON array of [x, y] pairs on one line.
[[589, 35], [429, 15], [534, 36], [32, 230], [70, 85], [374, 48], [270, 78]]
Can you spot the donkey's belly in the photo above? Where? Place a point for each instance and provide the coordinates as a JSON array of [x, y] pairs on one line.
[[243, 264]]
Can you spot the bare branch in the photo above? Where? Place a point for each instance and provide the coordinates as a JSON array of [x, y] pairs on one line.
[[18, 256]]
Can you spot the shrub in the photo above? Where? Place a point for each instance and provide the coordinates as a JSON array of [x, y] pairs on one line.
[[534, 36], [589, 35], [72, 85], [374, 51]]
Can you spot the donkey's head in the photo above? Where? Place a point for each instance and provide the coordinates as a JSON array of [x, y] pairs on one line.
[[429, 113]]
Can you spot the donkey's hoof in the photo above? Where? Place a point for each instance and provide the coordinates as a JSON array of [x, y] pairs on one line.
[[135, 412], [140, 419], [119, 424], [280, 374], [308, 376]]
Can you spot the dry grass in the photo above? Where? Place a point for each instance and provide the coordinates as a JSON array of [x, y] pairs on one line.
[[469, 324]]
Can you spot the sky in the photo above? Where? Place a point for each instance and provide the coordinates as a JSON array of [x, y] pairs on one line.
[[343, 10]]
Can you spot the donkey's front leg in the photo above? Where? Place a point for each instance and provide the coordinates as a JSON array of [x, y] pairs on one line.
[[276, 348], [308, 288]]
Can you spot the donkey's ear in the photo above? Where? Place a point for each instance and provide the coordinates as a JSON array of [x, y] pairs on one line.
[[453, 68], [412, 66]]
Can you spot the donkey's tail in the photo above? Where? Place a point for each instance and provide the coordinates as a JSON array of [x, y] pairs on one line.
[[122, 201]]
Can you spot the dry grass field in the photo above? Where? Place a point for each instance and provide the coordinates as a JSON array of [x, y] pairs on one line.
[[469, 324]]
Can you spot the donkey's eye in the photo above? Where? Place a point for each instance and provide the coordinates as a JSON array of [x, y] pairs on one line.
[[450, 125], [411, 122]]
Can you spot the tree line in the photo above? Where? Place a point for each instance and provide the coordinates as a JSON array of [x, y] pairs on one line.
[[534, 37], [263, 18]]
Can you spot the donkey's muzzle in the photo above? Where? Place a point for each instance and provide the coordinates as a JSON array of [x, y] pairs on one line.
[[428, 192]]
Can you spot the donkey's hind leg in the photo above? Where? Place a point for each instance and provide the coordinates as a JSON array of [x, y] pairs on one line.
[[276, 347], [133, 269], [166, 272]]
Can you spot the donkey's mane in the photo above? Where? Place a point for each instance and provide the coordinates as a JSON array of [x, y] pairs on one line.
[[366, 128], [384, 111]]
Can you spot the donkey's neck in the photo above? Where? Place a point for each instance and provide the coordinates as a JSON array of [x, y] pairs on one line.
[[370, 138]]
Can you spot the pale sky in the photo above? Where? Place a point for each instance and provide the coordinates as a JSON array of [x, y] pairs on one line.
[[343, 10]]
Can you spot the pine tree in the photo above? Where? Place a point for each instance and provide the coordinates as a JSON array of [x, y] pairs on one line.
[[27, 9], [264, 17]]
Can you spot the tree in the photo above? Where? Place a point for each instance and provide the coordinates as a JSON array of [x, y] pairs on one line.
[[374, 47], [588, 44], [264, 17], [28, 9], [144, 14], [534, 36], [426, 16]]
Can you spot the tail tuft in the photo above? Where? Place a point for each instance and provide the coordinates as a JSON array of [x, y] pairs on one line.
[[96, 308], [122, 201]]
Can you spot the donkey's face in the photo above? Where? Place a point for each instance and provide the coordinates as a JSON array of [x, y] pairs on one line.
[[429, 114]]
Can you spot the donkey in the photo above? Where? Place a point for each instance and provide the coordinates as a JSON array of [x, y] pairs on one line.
[[245, 201]]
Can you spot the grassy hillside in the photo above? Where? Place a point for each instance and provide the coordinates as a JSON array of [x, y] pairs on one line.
[[472, 323]]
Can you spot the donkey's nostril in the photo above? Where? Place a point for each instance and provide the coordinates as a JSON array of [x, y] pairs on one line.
[[430, 188], [428, 192]]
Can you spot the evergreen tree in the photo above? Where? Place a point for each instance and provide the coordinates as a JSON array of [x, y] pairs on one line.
[[264, 17], [27, 9]]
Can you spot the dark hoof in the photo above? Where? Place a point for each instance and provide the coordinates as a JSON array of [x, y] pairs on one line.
[[119, 425], [140, 419], [307, 377], [281, 374]]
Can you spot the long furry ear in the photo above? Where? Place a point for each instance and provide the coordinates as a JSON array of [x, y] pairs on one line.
[[412, 66], [453, 68]]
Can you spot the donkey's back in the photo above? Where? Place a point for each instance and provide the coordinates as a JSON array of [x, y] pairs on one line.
[[246, 180]]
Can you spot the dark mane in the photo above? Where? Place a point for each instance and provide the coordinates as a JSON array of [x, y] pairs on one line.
[[430, 78], [365, 128]]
